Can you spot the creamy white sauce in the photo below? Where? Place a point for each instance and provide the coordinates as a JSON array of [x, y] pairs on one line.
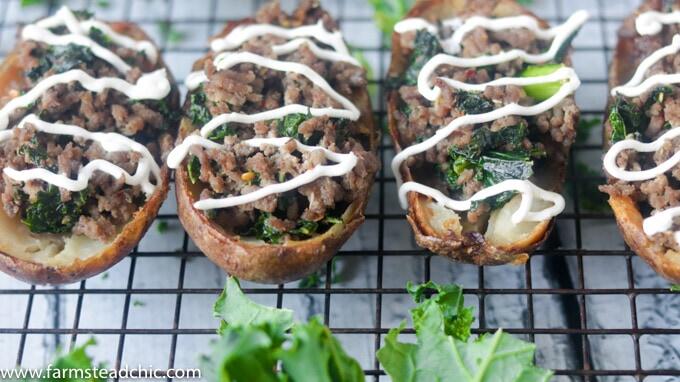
[[324, 54], [345, 163], [226, 60], [79, 35], [566, 76], [570, 84], [110, 142], [243, 33], [636, 86], [523, 213], [154, 85], [649, 23], [452, 45]]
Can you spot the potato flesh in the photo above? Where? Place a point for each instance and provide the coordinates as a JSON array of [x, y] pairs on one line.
[[51, 250], [502, 231]]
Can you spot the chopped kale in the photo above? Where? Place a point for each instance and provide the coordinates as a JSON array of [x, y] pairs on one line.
[[472, 103], [198, 111], [331, 220], [625, 118], [657, 95], [170, 115], [44, 64], [100, 37], [220, 133], [426, 46], [48, 214], [62, 59], [494, 156], [33, 152], [194, 169], [263, 230], [305, 228], [288, 126]]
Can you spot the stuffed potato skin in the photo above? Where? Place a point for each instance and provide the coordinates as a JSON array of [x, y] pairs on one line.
[[107, 254], [439, 230], [627, 211], [257, 260]]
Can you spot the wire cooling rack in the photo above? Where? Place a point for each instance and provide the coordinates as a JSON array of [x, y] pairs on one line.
[[595, 311]]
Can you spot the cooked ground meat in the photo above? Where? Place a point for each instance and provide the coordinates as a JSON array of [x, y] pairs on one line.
[[659, 110], [418, 119], [107, 204], [239, 169]]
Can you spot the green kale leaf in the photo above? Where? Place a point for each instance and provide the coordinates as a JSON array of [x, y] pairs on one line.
[[220, 133], [64, 365], [254, 340], [625, 118], [48, 214], [194, 169], [288, 126], [389, 12], [263, 230], [100, 37], [198, 112], [443, 352], [473, 103], [426, 46], [61, 59]]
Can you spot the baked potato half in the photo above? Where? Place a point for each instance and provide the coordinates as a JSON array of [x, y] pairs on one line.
[[641, 122], [88, 118], [425, 100], [292, 62]]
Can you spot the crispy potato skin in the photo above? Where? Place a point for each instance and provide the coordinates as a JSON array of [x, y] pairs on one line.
[[664, 261], [470, 247], [132, 232], [256, 260]]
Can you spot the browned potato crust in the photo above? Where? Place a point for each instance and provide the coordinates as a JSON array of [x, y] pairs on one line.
[[468, 247], [664, 261], [256, 260], [127, 239]]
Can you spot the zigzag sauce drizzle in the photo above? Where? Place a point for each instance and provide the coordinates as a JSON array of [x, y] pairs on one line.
[[226, 60], [566, 76], [649, 23], [152, 86]]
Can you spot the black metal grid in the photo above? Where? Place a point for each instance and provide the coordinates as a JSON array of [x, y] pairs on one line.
[[569, 288]]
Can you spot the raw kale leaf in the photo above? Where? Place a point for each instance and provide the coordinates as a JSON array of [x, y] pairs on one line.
[[472, 103], [66, 364], [48, 214], [443, 352], [254, 341], [625, 118], [426, 46]]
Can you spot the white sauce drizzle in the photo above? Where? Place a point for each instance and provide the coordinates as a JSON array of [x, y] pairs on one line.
[[110, 142], [79, 31], [569, 83], [452, 45], [154, 85], [243, 33], [649, 23], [345, 164], [226, 60]]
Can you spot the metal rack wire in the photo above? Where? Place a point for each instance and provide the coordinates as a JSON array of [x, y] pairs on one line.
[[564, 265]]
